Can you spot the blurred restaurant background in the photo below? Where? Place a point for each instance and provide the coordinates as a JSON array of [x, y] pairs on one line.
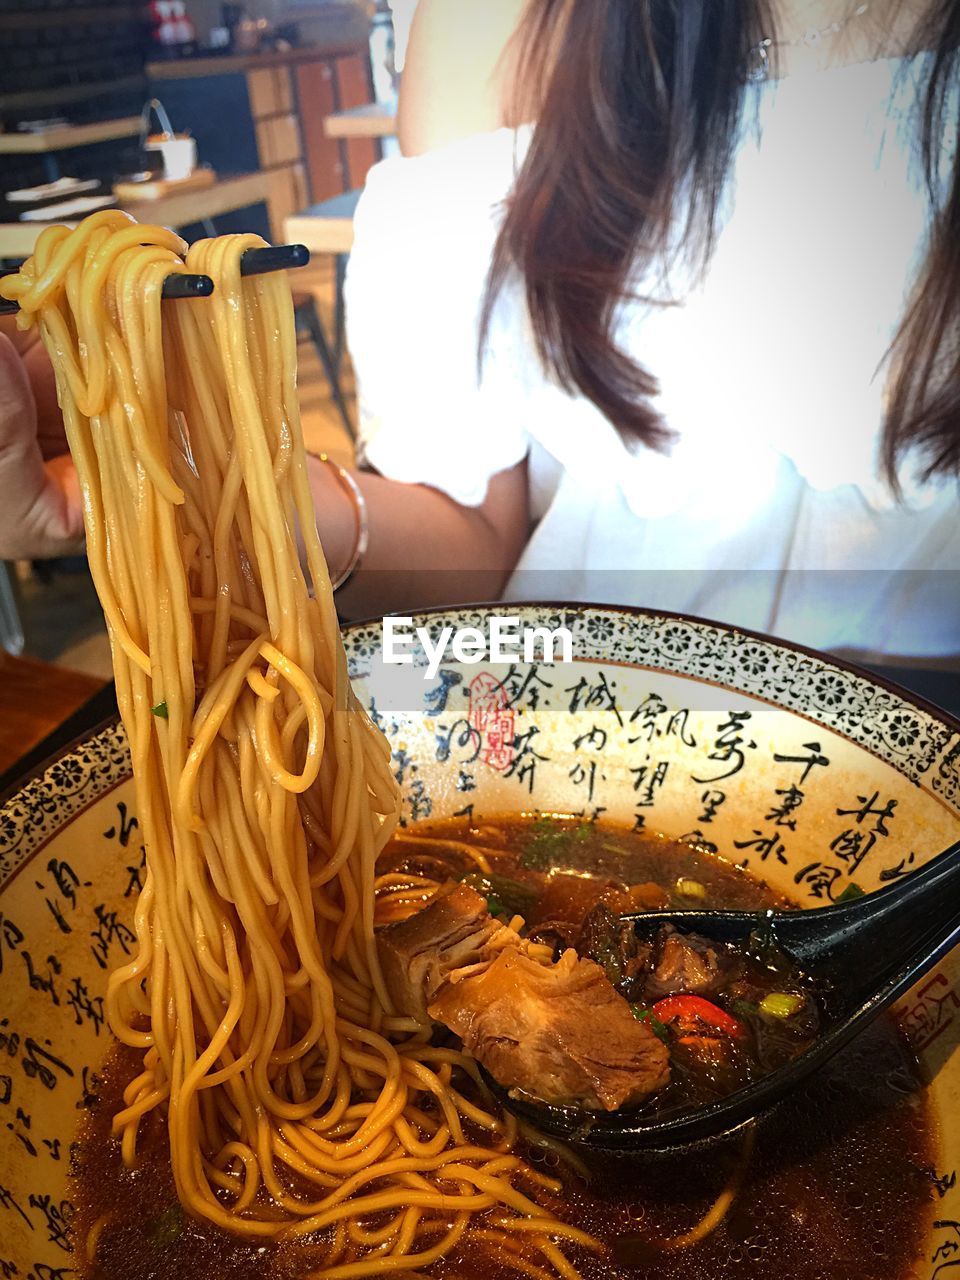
[[207, 117]]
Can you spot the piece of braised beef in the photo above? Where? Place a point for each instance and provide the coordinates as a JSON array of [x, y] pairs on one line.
[[559, 1031], [684, 963], [417, 954], [673, 963], [614, 945]]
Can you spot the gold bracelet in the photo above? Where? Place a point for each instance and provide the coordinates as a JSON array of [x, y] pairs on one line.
[[359, 504]]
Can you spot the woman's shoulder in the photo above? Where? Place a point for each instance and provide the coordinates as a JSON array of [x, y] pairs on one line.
[[424, 234], [428, 224], [475, 171]]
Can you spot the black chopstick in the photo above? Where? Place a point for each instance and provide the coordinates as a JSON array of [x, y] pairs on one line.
[[181, 284], [184, 285], [276, 257], [255, 262]]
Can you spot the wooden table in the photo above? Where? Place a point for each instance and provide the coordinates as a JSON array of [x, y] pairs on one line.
[[35, 699], [17, 239], [326, 227], [371, 120]]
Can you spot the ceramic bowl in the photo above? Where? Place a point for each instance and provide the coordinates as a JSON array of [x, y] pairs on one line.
[[811, 774]]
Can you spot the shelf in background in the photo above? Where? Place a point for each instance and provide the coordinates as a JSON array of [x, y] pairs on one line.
[[63, 137], [232, 63], [58, 16], [31, 99]]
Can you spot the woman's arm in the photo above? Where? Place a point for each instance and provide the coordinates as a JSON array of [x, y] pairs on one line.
[[413, 289], [424, 548]]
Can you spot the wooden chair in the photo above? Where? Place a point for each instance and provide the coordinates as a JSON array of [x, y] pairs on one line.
[[326, 228]]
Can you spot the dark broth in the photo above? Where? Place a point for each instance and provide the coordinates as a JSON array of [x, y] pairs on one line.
[[838, 1186], [572, 882]]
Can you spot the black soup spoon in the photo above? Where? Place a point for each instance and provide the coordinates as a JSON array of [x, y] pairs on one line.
[[863, 955]]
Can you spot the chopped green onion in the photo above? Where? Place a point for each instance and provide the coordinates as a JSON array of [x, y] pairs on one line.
[[659, 1029], [505, 897], [166, 1227], [851, 892], [780, 1005], [742, 1008], [551, 844], [161, 710], [691, 889]]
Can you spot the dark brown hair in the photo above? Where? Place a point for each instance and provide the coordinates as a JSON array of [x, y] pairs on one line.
[[638, 117]]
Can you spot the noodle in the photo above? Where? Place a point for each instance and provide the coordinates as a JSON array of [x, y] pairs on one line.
[[296, 1100], [721, 1206]]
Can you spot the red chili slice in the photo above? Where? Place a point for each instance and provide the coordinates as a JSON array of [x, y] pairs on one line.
[[691, 1011]]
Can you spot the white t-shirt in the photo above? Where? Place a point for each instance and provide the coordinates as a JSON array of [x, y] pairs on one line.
[[769, 511]]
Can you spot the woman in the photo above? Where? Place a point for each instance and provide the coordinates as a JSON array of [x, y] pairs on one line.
[[742, 291], [715, 290]]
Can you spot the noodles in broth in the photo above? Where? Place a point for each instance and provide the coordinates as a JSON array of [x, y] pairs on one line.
[[264, 791]]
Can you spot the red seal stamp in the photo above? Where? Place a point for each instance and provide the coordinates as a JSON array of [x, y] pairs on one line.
[[492, 719]]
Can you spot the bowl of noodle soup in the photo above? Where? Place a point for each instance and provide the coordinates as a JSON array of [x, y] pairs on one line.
[[204, 1070], [670, 726]]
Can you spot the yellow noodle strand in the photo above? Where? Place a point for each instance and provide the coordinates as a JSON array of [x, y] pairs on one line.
[[265, 794]]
